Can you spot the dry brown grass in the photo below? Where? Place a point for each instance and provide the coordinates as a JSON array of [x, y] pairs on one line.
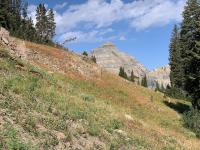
[[154, 125]]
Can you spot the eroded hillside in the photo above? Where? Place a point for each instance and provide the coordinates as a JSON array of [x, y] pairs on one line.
[[55, 99]]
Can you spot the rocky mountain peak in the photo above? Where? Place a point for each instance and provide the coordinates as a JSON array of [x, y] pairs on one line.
[[111, 58], [108, 44]]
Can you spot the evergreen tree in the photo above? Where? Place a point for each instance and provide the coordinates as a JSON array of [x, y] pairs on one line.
[[41, 24], [4, 11], [85, 53], [21, 26], [132, 77], [122, 73], [144, 81], [15, 18], [190, 51], [51, 25], [31, 34], [93, 58], [25, 10], [175, 59]]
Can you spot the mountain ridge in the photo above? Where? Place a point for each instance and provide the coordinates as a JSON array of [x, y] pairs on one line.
[[111, 58]]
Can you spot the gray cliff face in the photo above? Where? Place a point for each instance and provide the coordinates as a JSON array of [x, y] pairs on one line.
[[111, 58], [160, 75]]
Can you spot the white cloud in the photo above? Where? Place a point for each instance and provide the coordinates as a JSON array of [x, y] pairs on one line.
[[91, 36], [122, 38], [32, 12], [60, 6], [95, 15], [141, 14], [161, 14]]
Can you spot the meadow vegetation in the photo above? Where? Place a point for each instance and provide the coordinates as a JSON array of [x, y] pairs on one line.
[[43, 110]]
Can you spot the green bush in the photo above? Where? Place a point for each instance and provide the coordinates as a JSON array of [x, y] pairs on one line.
[[191, 120], [175, 93]]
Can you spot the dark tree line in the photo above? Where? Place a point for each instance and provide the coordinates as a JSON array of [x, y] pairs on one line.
[[132, 77], [14, 17], [185, 53]]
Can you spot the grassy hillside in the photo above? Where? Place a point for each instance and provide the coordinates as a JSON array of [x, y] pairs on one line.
[[43, 109]]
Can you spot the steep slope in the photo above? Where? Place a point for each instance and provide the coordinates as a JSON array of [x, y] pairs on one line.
[[43, 107], [110, 58]]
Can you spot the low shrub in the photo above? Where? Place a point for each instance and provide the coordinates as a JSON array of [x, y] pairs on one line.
[[88, 98], [175, 93], [191, 120]]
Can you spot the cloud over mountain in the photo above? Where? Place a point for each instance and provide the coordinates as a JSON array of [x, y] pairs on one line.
[[101, 14]]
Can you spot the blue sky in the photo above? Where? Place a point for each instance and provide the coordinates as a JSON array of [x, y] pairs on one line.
[[140, 28]]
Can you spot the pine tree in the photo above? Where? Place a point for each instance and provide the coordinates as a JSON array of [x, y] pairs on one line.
[[51, 25], [85, 53], [132, 77], [30, 31], [190, 51], [15, 18], [175, 59], [25, 10], [41, 24], [122, 73], [4, 11], [93, 58], [144, 81]]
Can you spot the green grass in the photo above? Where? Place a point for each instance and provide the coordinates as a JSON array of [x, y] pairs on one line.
[[10, 140], [32, 97]]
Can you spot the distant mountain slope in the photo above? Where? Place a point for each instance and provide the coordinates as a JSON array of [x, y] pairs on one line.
[[110, 58], [160, 75]]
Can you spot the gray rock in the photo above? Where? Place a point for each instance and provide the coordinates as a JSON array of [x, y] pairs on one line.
[[160, 75], [110, 58], [5, 40]]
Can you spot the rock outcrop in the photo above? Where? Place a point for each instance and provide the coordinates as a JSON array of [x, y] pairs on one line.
[[159, 75], [110, 58], [16, 47]]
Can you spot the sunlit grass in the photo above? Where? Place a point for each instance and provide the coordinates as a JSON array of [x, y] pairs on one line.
[[31, 96]]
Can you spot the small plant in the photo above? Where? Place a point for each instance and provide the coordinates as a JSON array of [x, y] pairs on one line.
[[85, 53], [113, 125], [93, 58], [116, 124], [88, 98], [50, 141], [93, 129], [30, 125]]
